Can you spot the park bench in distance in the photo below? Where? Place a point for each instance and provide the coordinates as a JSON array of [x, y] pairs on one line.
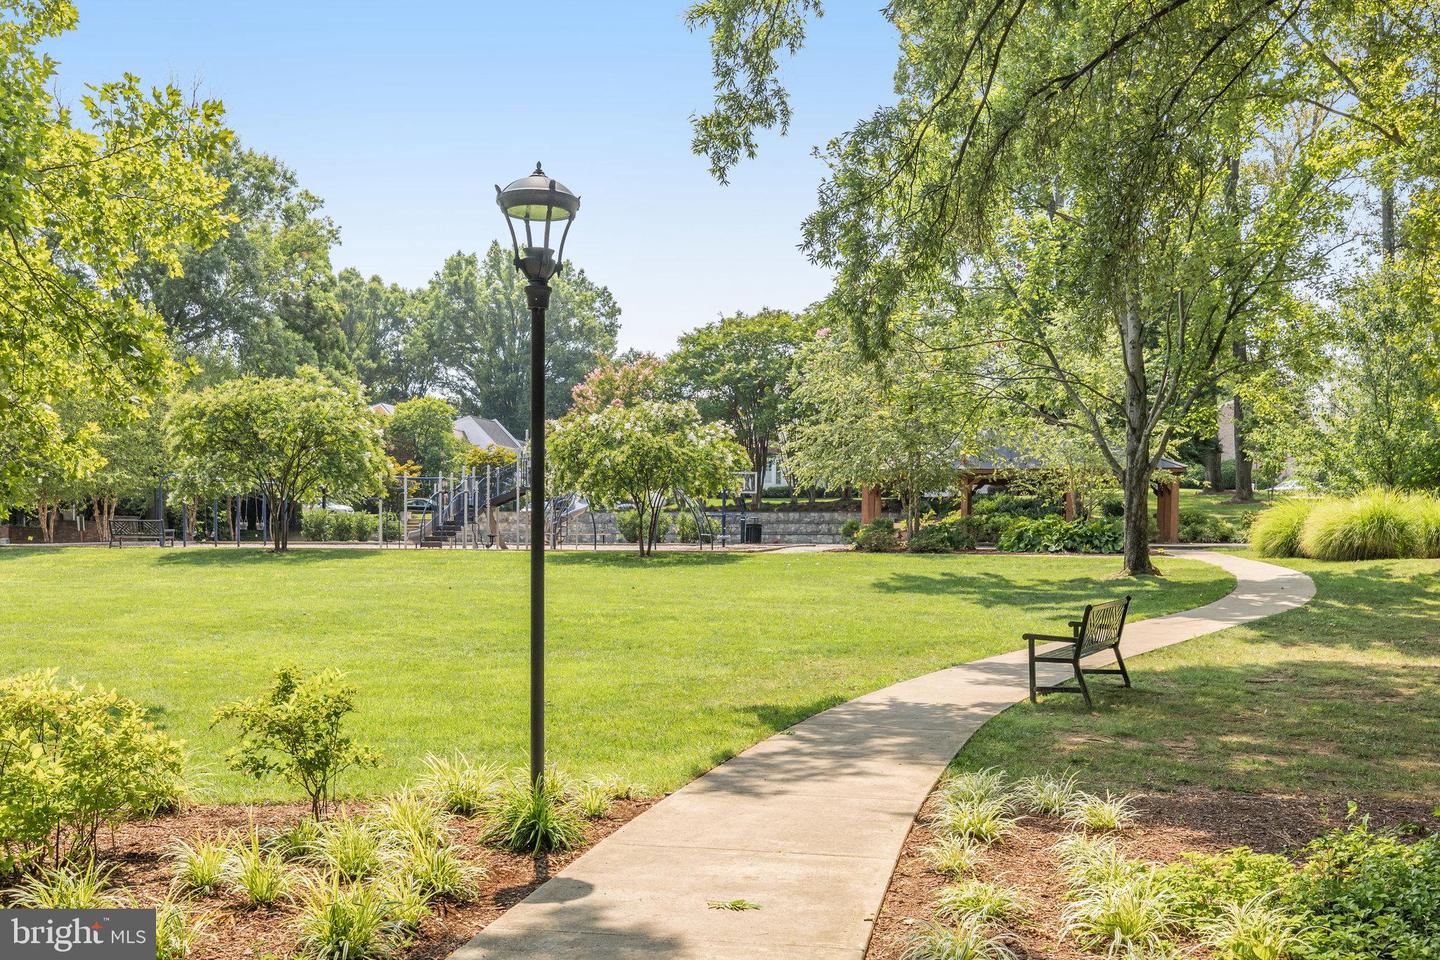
[[125, 530], [1099, 629]]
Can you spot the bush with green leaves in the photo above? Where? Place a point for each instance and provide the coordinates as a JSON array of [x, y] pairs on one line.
[[313, 523], [1368, 893], [1275, 531], [1054, 534], [339, 525], [849, 528], [877, 536], [364, 526], [628, 521], [74, 759], [687, 528], [961, 531], [392, 528], [1202, 883], [1015, 505], [930, 539], [1196, 526], [295, 731]]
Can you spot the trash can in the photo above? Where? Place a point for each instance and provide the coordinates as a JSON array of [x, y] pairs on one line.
[[751, 533]]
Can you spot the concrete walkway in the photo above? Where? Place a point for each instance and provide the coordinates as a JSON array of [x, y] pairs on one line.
[[808, 824]]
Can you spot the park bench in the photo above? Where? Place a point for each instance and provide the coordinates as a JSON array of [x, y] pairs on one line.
[[1099, 629], [125, 530]]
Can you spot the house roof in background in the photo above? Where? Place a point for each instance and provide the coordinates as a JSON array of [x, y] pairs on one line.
[[481, 432]]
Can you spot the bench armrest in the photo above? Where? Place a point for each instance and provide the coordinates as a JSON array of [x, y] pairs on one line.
[[1047, 638]]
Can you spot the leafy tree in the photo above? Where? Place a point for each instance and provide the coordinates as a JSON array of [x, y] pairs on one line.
[[262, 299], [905, 423], [476, 327], [422, 431], [131, 460], [79, 203], [379, 321], [283, 437], [642, 454], [736, 371], [1081, 185], [620, 381]]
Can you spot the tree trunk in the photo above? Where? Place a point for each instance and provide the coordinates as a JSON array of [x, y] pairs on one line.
[[1244, 474], [1135, 476], [761, 457], [1211, 461]]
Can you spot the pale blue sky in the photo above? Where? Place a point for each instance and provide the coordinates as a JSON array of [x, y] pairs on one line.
[[404, 116]]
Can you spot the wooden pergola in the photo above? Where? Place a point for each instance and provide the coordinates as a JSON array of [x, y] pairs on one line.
[[979, 473]]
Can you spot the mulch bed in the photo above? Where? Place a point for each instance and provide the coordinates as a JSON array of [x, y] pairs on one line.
[[237, 931], [1167, 825]]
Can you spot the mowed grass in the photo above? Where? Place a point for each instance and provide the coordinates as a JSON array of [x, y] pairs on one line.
[[1339, 697], [1221, 505], [657, 669]]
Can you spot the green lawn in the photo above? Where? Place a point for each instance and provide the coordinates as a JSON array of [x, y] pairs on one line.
[[1220, 504], [658, 668], [1341, 696]]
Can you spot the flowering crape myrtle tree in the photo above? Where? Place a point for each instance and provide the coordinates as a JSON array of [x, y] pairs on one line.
[[642, 454], [285, 437]]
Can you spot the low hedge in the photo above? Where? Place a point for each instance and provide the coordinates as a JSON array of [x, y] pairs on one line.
[[1052, 534]]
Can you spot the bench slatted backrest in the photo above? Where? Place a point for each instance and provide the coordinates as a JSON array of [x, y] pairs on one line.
[[1102, 625]]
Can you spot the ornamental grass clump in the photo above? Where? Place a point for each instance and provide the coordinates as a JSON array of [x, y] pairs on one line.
[[199, 867], [176, 930], [1047, 795], [458, 785], [348, 847], [977, 785], [410, 818], [1276, 531], [259, 876], [983, 821], [979, 900], [966, 939], [339, 921], [1254, 929], [439, 871], [1123, 917], [533, 818], [70, 887], [1100, 814], [1091, 862], [1375, 525], [952, 857]]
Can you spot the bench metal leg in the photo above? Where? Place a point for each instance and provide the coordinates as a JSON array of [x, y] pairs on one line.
[[1120, 661], [1032, 671], [1084, 687]]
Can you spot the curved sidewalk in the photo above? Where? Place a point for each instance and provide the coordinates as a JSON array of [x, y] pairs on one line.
[[808, 823]]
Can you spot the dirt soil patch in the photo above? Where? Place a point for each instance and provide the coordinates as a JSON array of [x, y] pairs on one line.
[[142, 865], [1167, 825]]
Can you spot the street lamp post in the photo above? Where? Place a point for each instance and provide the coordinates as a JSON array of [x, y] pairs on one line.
[[533, 201]]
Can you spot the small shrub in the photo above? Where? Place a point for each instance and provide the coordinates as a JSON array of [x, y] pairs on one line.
[[364, 526], [965, 940], [1199, 527], [71, 761], [961, 531], [1047, 795], [199, 867], [1253, 929], [531, 818], [392, 528], [313, 523], [458, 785], [259, 875], [339, 525], [295, 732], [348, 848], [628, 522], [849, 528], [687, 530], [1099, 814], [1372, 526], [176, 930], [952, 857], [1015, 505], [976, 898], [1131, 914], [1427, 526], [1203, 883], [68, 888], [1275, 531], [346, 922], [877, 536], [983, 821], [930, 539]]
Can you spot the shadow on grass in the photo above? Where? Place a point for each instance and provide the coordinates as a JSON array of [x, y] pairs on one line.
[[1331, 727]]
